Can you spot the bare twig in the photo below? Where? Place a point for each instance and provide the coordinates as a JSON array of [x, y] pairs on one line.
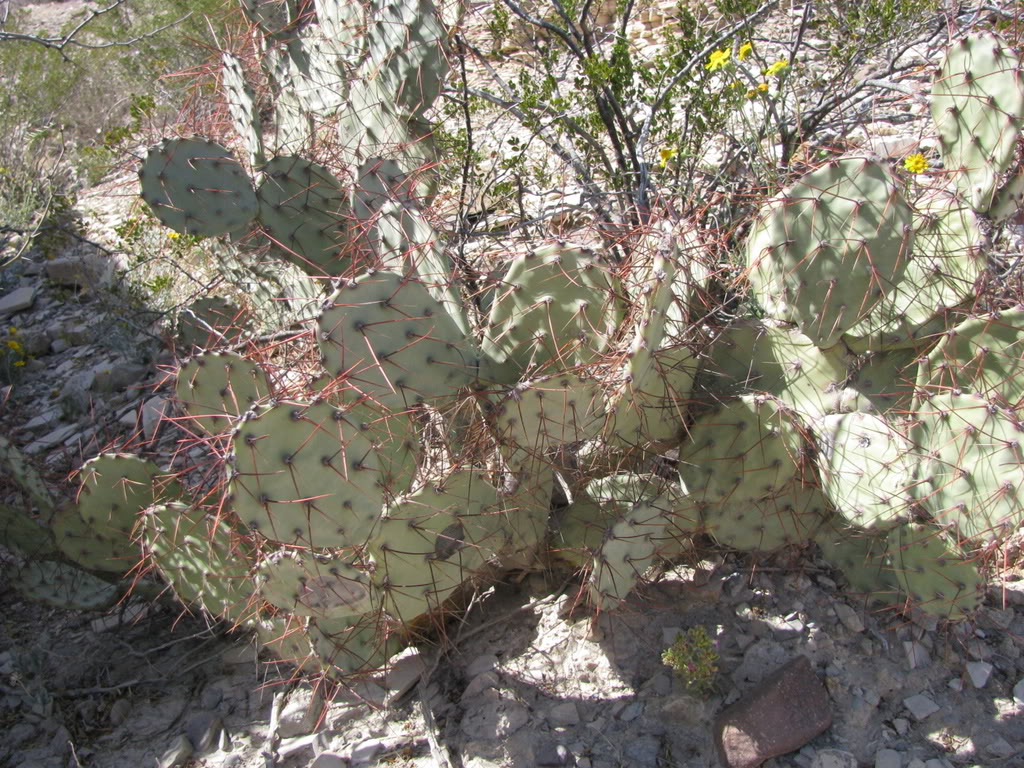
[[71, 39]]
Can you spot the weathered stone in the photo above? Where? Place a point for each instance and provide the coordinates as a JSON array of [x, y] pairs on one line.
[[834, 758], [153, 412], [848, 617], [1000, 748], [177, 754], [17, 300], [83, 270], [781, 714], [78, 335], [119, 711], [119, 376], [74, 395], [329, 760], [403, 673], [51, 439], [301, 714], [979, 672], [643, 751], [553, 755], [888, 758], [920, 706], [1018, 691], [565, 713]]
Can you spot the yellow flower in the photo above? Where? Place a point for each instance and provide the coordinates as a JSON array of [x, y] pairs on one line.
[[916, 163], [778, 66], [745, 50], [173, 235], [667, 154], [19, 364], [752, 93], [12, 344], [763, 87], [718, 59]]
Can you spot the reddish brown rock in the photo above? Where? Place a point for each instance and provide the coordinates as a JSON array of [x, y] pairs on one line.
[[782, 713]]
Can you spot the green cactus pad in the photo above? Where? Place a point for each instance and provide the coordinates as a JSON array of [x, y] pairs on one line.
[[791, 517], [407, 54], [554, 305], [830, 247], [946, 263], [524, 508], [744, 452], [866, 469], [983, 355], [862, 560], [206, 563], [308, 474], [885, 380], [63, 586], [978, 109], [652, 409], [287, 638], [18, 467], [935, 578], [116, 488], [321, 586], [347, 647], [578, 530], [627, 551], [395, 343], [211, 321], [196, 187], [89, 548], [305, 212], [19, 532], [777, 359], [538, 415], [216, 388], [245, 115], [971, 471], [429, 543], [275, 18]]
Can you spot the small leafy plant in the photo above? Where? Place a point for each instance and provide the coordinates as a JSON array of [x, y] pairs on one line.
[[694, 658]]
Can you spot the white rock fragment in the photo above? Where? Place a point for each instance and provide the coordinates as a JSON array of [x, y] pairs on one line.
[[979, 672], [920, 706]]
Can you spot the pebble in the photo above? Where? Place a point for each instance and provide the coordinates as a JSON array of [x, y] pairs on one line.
[[848, 617], [644, 751], [329, 760], [565, 713], [1000, 748], [17, 300], [553, 755], [1018, 692], [631, 711], [834, 758], [119, 711], [979, 673], [479, 665], [177, 754], [888, 758], [920, 706], [917, 655]]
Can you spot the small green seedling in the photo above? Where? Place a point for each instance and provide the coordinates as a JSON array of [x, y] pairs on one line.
[[694, 658]]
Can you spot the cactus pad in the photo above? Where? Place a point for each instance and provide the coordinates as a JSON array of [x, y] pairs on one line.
[[830, 247], [306, 584], [196, 187], [392, 341], [116, 488], [978, 108], [304, 211], [554, 305], [308, 474], [216, 388], [63, 586], [865, 468], [934, 577], [971, 472]]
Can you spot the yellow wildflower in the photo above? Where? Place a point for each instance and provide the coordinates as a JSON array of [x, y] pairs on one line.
[[718, 59], [763, 87], [173, 235], [916, 163], [12, 344], [778, 66], [751, 93], [667, 154], [19, 363], [745, 50]]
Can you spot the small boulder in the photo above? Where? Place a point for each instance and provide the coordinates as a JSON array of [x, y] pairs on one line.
[[782, 713], [17, 300]]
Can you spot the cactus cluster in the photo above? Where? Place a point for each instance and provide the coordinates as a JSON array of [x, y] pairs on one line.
[[867, 410]]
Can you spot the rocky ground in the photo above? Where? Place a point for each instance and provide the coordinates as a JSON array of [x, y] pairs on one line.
[[526, 676]]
